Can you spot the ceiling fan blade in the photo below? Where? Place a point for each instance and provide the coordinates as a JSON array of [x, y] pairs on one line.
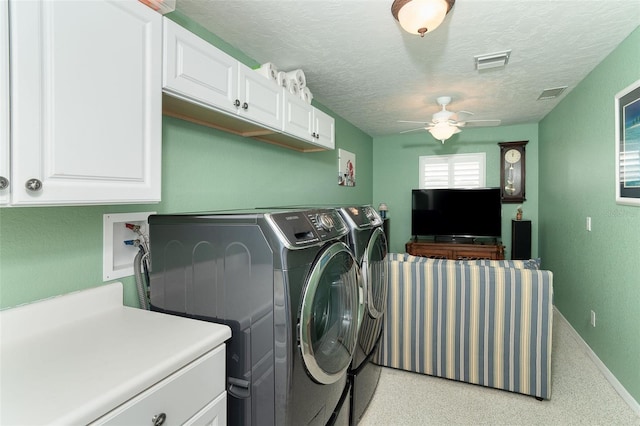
[[462, 115], [415, 122], [413, 130], [482, 123]]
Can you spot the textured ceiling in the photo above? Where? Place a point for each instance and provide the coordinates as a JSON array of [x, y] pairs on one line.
[[361, 64]]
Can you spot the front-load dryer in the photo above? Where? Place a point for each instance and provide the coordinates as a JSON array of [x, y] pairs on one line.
[[369, 244], [287, 285]]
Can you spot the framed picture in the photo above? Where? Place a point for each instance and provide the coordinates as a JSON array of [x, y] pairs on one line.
[[346, 168], [627, 114]]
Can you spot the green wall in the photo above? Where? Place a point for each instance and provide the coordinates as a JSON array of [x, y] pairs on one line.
[[597, 270], [47, 251], [395, 161]]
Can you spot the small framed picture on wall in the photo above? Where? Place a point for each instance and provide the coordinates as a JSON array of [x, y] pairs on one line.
[[346, 168]]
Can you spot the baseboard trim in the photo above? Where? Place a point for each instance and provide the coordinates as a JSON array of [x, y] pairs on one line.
[[626, 396]]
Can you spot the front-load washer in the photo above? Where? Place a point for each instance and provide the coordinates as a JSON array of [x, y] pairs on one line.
[[369, 244], [287, 285]]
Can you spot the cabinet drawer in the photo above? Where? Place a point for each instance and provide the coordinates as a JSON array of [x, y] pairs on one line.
[[179, 396]]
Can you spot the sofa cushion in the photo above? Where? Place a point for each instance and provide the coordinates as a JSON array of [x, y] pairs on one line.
[[515, 264]]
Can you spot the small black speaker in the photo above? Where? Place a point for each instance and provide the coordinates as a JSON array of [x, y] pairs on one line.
[[520, 239]]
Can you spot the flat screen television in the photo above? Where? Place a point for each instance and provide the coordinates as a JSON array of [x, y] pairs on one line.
[[453, 213]]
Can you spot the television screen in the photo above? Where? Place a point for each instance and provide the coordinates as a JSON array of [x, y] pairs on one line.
[[471, 213]]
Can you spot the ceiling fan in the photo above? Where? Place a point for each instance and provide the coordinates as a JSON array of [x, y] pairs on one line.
[[445, 123]]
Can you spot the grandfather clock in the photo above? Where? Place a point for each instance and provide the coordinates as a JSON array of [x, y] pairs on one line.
[[512, 171]]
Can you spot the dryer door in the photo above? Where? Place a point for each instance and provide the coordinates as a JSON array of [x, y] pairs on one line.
[[374, 270], [329, 314]]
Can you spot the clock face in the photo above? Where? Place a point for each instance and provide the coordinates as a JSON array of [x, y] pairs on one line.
[[512, 156]]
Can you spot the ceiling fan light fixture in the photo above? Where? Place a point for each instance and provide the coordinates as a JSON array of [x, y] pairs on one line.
[[443, 131], [420, 16]]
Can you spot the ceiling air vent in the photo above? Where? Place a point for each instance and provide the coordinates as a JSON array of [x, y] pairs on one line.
[[492, 60], [551, 93]]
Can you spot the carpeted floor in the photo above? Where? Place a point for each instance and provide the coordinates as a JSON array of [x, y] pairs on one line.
[[580, 396]]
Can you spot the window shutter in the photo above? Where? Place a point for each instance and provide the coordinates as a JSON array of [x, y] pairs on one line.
[[453, 171]]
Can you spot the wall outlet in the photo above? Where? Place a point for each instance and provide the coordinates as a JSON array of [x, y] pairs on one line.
[[592, 320], [588, 223], [117, 261]]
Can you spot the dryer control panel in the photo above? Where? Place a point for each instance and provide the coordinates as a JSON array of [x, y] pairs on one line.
[[301, 228], [362, 217]]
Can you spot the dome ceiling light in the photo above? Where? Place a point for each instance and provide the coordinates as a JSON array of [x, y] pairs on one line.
[[420, 16]]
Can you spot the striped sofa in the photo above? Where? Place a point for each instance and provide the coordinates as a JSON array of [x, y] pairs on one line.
[[487, 324]]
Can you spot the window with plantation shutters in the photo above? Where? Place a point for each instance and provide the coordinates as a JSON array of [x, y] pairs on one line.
[[452, 171]]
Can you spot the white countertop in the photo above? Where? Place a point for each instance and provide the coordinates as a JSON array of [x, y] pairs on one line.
[[73, 358]]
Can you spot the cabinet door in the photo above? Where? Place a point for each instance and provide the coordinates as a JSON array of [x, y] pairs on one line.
[[261, 98], [86, 102], [325, 129], [298, 117], [5, 133], [197, 71]]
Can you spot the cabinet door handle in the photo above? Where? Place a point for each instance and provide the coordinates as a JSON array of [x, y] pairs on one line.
[[33, 185], [159, 419], [245, 106], [4, 182], [237, 103]]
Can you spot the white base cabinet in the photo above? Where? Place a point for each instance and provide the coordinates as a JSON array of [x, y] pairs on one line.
[[204, 85], [180, 398], [108, 364], [85, 102]]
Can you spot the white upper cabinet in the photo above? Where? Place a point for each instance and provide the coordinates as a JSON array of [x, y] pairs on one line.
[[196, 70], [199, 72], [85, 102], [5, 133], [325, 129], [307, 122], [298, 117], [261, 99], [209, 87]]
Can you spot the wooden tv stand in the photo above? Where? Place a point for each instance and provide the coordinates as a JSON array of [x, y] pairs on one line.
[[456, 251]]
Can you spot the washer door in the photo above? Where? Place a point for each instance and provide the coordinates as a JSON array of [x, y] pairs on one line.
[[374, 270], [329, 314]]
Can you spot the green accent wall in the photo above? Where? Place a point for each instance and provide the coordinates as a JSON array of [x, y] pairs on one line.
[[396, 165], [48, 251], [597, 270]]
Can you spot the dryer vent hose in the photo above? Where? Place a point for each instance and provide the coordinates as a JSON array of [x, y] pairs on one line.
[[141, 280]]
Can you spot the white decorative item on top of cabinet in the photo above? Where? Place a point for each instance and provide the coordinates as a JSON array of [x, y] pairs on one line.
[[85, 102], [5, 132], [203, 84]]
